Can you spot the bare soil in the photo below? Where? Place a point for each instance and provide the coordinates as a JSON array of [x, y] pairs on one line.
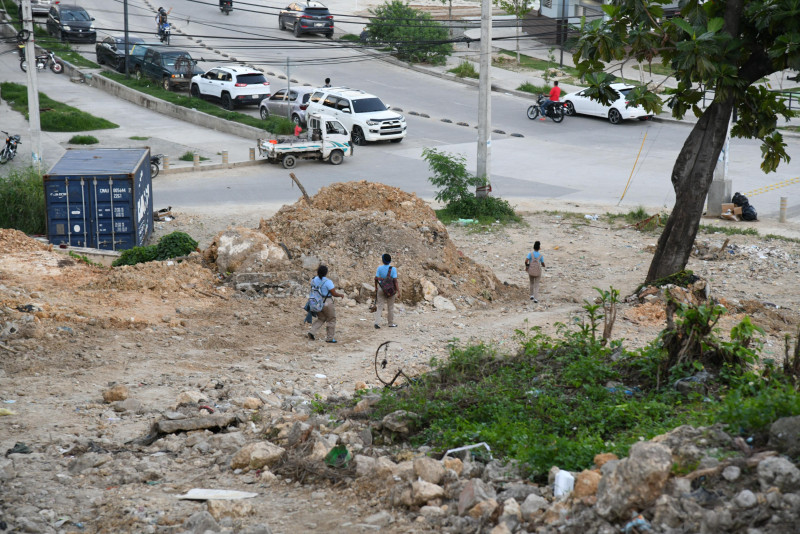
[[69, 330]]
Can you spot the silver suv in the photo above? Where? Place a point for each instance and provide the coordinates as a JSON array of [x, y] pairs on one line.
[[367, 118], [232, 85], [293, 107]]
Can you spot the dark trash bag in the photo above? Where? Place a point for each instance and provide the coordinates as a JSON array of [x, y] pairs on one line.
[[749, 213], [739, 200]]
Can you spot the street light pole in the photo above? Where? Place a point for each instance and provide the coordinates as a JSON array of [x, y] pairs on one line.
[[125, 14], [33, 86], [484, 100]]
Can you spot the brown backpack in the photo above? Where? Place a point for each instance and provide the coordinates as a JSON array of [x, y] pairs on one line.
[[534, 267]]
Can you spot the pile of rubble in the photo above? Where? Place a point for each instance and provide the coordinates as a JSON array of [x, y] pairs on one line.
[[348, 226], [688, 480]]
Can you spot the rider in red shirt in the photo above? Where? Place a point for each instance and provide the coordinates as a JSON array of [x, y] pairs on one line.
[[555, 94]]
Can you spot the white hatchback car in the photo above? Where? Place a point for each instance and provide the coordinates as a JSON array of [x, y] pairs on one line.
[[232, 85], [618, 111]]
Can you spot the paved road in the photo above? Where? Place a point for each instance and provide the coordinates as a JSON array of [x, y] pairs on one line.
[[581, 159]]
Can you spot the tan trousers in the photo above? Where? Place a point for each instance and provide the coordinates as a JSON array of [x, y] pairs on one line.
[[328, 317], [389, 307], [534, 285]]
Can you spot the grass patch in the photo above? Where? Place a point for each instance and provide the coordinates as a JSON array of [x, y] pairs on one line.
[[465, 69], [559, 400], [189, 156], [138, 138], [528, 87], [22, 201], [548, 404], [638, 218], [782, 238], [350, 38], [727, 230], [83, 140], [532, 63], [275, 125], [55, 116]]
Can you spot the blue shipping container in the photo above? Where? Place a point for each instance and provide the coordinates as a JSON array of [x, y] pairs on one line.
[[100, 198]]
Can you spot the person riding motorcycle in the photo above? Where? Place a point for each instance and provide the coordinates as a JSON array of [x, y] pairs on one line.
[[161, 19], [555, 94], [222, 2]]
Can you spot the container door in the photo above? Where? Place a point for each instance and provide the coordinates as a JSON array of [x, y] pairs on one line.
[[113, 217], [68, 212]]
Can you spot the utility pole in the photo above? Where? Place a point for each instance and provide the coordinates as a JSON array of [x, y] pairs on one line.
[[288, 90], [33, 86], [125, 15], [484, 100]]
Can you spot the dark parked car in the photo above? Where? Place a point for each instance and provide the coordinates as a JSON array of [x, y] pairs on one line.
[[171, 67], [111, 50], [69, 22], [306, 17]]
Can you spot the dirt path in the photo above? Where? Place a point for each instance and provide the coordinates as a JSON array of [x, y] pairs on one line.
[[70, 330]]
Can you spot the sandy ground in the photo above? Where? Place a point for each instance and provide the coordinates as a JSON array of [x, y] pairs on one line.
[[69, 330]]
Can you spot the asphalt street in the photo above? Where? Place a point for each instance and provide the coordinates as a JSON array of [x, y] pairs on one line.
[[580, 160]]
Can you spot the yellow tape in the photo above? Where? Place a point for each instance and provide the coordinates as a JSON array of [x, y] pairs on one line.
[[772, 187]]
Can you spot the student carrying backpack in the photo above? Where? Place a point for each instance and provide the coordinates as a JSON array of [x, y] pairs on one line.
[[386, 288], [319, 302]]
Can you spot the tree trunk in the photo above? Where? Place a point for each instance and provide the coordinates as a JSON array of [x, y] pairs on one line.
[[691, 179]]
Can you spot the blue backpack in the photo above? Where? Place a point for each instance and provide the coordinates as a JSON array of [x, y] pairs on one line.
[[315, 299]]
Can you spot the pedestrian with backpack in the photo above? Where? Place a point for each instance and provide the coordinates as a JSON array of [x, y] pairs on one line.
[[386, 289], [327, 315], [534, 263]]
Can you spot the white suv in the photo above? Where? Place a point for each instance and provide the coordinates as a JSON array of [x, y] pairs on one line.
[[232, 85], [367, 118]]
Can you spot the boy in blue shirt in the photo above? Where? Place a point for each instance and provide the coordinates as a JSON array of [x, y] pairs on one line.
[[383, 272]]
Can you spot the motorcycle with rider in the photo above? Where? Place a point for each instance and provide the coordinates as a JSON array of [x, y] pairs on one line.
[[163, 26]]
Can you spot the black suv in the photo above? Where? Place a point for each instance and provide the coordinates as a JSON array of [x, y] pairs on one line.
[[306, 17], [71, 23]]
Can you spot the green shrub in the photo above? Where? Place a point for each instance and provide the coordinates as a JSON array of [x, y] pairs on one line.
[[135, 255], [465, 69], [455, 185], [279, 125], [22, 205], [412, 34], [746, 412], [138, 138], [171, 245], [174, 245], [83, 140]]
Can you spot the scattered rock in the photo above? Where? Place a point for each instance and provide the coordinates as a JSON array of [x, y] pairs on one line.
[[423, 492], [200, 523], [731, 473], [129, 405], [586, 484], [474, 491], [779, 472], [429, 470], [400, 421], [190, 397], [443, 304], [784, 436], [219, 509], [115, 393], [257, 455], [533, 503], [634, 482], [745, 499], [252, 403]]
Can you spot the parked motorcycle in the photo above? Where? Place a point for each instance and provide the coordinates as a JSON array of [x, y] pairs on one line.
[[163, 32], [226, 6], [10, 150], [155, 164], [47, 59], [555, 111]]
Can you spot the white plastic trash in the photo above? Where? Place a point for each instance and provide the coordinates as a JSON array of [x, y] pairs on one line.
[[563, 484]]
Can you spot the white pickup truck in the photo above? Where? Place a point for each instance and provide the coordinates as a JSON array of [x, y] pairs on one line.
[[327, 140]]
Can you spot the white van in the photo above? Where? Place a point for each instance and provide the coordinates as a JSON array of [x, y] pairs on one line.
[[367, 118]]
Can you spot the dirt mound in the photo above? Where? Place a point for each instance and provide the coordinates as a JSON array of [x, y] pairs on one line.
[[348, 226], [163, 276], [15, 241]]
